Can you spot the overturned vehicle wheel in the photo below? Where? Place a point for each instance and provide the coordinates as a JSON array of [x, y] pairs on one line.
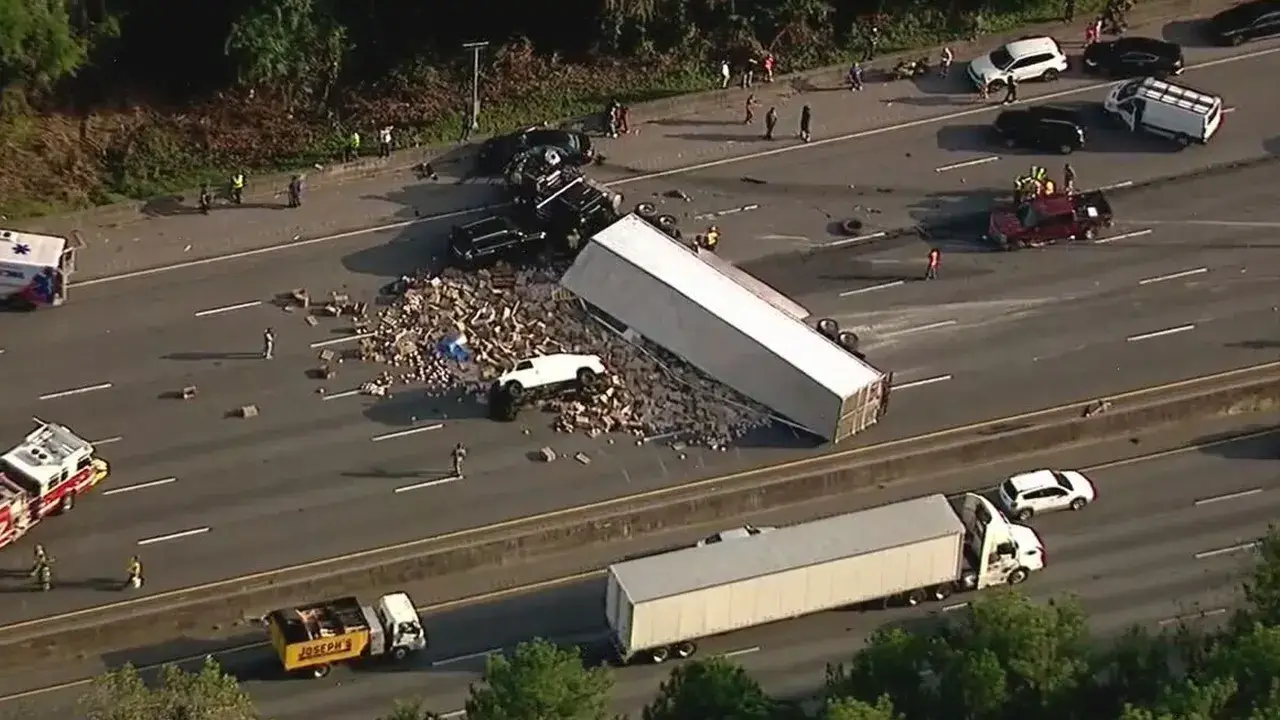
[[646, 210]]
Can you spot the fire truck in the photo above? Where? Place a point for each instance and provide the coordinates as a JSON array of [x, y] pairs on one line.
[[43, 475]]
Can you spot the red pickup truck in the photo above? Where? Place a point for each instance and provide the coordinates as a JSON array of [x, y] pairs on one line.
[[1049, 219]]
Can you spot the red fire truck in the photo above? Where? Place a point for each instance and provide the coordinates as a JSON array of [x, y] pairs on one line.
[[43, 475]]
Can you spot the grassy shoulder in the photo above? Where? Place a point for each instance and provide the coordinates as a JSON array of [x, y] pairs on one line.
[[55, 163]]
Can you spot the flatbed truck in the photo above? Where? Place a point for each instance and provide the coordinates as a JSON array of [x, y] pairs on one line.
[[313, 638], [909, 552]]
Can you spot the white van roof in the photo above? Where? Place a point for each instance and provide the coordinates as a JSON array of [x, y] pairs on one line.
[[22, 248], [1166, 93]]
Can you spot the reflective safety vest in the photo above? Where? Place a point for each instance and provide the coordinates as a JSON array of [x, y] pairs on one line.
[[135, 569], [713, 239], [237, 182], [354, 140]]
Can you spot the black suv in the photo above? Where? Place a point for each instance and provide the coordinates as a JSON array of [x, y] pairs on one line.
[[491, 239], [1042, 127], [1246, 21], [1130, 57], [498, 152]]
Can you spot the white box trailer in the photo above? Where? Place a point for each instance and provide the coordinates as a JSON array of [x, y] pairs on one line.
[[923, 549], [735, 332]]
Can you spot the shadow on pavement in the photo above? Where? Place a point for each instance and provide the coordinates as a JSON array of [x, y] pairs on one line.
[[1264, 446], [968, 138], [745, 136], [197, 356], [1272, 146], [168, 206], [1188, 33], [411, 408]]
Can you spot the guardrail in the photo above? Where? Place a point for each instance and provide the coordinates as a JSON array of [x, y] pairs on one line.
[[136, 622]]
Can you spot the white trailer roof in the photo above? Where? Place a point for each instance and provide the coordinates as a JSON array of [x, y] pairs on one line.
[[23, 248], [787, 548], [680, 269]]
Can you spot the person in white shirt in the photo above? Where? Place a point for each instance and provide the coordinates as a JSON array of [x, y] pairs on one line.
[[724, 74]]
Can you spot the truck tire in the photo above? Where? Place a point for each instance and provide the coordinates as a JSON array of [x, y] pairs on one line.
[[668, 223], [1018, 576], [657, 656], [67, 503], [914, 598], [848, 340], [829, 328], [399, 653], [320, 671], [646, 210], [586, 377], [514, 390], [686, 650], [942, 592]]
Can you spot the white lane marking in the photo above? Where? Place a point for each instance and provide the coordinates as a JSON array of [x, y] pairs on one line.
[[966, 163], [936, 119], [1160, 333], [955, 606], [1173, 276], [410, 431], [743, 651], [651, 176], [790, 238], [426, 484], [920, 328], [1192, 616], [453, 714], [1226, 550], [1228, 496], [722, 213], [344, 339], [926, 381], [873, 288], [107, 441], [76, 391], [1122, 236], [852, 240], [1116, 186], [284, 246], [468, 656], [228, 308], [140, 486], [1228, 110], [1213, 223], [174, 536], [1, 351], [343, 394]]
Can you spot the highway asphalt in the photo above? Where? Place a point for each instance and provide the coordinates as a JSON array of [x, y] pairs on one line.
[[211, 497], [1164, 540]]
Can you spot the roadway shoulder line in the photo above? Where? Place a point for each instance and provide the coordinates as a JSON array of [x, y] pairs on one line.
[[1226, 550], [1174, 276], [1192, 616], [174, 536], [107, 441], [743, 651], [852, 240], [76, 391], [403, 433], [873, 288], [139, 486], [966, 163], [1160, 333], [427, 484], [1228, 496], [919, 328], [468, 656], [1122, 236], [228, 308], [340, 395]]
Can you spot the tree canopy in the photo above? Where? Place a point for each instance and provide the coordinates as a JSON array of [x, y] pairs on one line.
[[540, 681]]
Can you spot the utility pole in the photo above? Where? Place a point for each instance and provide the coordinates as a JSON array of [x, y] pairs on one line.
[[475, 48]]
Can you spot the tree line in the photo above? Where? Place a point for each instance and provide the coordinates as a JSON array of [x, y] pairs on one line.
[[1004, 658]]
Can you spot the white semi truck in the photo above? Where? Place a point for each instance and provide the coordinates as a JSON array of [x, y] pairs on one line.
[[908, 552]]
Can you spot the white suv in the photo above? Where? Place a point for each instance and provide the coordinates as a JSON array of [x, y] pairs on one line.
[[1029, 58], [1032, 493], [550, 371]]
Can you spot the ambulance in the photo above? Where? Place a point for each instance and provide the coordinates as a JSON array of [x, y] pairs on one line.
[[44, 475], [34, 269]]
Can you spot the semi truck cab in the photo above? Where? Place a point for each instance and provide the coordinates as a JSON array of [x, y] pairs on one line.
[[999, 552]]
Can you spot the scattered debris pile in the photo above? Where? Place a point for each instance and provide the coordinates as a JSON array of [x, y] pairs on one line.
[[459, 330]]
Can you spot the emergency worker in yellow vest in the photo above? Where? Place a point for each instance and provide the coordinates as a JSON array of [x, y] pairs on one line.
[[237, 188]]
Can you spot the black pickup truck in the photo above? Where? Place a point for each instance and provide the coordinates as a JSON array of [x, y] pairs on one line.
[[493, 238]]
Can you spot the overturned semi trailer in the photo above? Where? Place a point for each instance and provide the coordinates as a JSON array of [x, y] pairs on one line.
[[724, 325]]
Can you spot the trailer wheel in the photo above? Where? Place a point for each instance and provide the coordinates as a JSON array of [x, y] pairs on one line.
[[1017, 576], [686, 649], [67, 503], [320, 671], [646, 210], [941, 592], [914, 598], [668, 222], [399, 653], [829, 328], [657, 656], [848, 340]]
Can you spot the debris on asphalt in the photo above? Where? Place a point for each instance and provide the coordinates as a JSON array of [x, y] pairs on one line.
[[460, 331]]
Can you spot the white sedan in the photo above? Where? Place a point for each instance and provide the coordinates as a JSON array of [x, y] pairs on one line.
[[1029, 494], [739, 533]]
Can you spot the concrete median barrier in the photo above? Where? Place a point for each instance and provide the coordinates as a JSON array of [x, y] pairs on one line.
[[194, 610]]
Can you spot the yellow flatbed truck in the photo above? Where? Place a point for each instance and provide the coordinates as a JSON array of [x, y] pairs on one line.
[[314, 638]]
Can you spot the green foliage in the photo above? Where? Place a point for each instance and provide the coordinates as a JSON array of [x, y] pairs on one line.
[[209, 694], [293, 46], [850, 709], [714, 688], [38, 45], [1262, 590], [410, 710], [540, 681]]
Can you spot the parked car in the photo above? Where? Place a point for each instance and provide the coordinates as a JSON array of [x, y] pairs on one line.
[[737, 533], [492, 238], [1129, 57], [1035, 493], [498, 152], [1029, 58], [1246, 21], [1042, 127]]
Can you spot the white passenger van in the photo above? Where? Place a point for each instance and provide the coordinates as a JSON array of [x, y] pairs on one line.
[[1163, 108]]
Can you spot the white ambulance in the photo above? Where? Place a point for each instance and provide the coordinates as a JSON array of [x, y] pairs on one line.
[[34, 269]]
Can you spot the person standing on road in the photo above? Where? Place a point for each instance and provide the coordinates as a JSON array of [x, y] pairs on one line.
[[748, 73], [1068, 179], [135, 573], [750, 108], [384, 142], [769, 63], [724, 74], [1092, 32], [295, 191], [855, 77], [931, 270], [948, 57], [1069, 11], [806, 123], [459, 455], [770, 123], [1011, 91], [268, 344]]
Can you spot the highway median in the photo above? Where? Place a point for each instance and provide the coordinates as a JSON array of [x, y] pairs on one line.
[[163, 616]]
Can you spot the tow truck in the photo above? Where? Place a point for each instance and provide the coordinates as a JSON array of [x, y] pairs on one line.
[[313, 638], [35, 269], [43, 475], [1047, 219]]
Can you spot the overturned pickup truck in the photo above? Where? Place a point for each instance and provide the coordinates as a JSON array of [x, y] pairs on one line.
[[560, 198], [1049, 219]]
